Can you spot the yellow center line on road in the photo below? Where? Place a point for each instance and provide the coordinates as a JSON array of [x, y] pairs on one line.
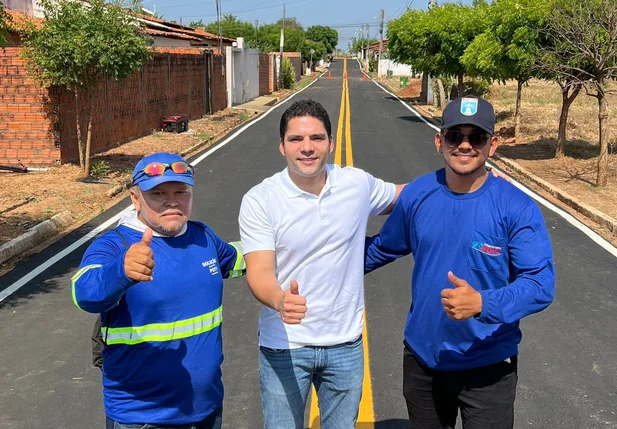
[[366, 414]]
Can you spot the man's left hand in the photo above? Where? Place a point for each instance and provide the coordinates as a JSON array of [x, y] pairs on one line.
[[463, 302], [497, 173]]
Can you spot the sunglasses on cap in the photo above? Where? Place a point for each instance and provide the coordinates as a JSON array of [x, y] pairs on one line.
[[477, 139], [158, 168]]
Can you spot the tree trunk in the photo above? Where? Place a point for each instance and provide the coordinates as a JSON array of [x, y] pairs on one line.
[[86, 170], [567, 99], [442, 94], [80, 146], [461, 85], [602, 176], [517, 112]]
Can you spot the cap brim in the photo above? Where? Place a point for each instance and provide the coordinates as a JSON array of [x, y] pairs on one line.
[[469, 121], [151, 182]]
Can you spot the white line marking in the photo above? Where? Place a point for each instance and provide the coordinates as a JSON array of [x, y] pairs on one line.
[[66, 251], [567, 216]]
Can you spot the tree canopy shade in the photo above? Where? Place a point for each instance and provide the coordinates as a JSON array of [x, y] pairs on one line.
[[510, 45], [584, 40], [79, 44], [4, 26], [434, 41], [269, 39]]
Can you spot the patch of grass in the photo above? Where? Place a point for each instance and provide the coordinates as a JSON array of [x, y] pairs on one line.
[[157, 133], [244, 116], [99, 168], [303, 83], [48, 211], [203, 136]]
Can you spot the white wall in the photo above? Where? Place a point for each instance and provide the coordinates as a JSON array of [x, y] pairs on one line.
[[396, 68], [242, 74], [171, 43]]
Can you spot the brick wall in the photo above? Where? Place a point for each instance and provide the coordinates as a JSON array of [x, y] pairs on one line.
[[265, 71], [37, 126], [26, 115]]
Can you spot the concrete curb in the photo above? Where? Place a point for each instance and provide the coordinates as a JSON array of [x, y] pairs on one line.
[[584, 209], [35, 235]]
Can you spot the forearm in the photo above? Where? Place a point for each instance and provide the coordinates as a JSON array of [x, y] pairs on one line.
[[265, 288], [99, 287], [528, 294]]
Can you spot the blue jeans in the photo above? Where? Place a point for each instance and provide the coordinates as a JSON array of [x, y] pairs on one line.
[[286, 377], [213, 421]]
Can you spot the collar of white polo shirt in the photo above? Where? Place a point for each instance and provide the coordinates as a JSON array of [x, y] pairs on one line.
[[292, 190]]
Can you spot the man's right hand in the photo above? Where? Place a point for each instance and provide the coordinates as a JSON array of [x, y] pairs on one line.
[[292, 305], [139, 259]]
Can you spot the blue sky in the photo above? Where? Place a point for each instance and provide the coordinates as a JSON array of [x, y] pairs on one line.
[[346, 16]]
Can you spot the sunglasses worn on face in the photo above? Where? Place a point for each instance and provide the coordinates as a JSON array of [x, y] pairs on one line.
[[157, 168], [477, 140]]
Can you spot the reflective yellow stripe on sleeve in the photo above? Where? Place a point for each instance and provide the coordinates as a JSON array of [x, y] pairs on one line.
[[158, 332], [240, 266], [76, 277]]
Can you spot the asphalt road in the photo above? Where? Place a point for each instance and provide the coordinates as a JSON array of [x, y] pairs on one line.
[[567, 367]]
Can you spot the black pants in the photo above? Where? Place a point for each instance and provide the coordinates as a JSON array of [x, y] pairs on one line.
[[485, 395]]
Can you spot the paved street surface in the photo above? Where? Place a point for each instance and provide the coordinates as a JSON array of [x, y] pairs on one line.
[[567, 369]]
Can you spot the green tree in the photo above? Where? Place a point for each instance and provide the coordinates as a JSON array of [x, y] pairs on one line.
[[199, 24], [4, 26], [269, 39], [233, 28], [585, 32], [326, 35], [434, 41], [78, 45], [510, 46], [290, 22], [319, 51], [356, 45]]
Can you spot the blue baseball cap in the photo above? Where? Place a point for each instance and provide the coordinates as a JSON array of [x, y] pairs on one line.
[[146, 182], [469, 111]]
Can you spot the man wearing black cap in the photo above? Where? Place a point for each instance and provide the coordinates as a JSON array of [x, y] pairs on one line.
[[157, 281], [482, 261]]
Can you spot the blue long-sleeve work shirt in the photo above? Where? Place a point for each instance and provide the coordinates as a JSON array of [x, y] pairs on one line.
[[495, 239]]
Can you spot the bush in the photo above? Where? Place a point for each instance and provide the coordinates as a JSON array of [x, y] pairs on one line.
[[288, 74], [372, 65]]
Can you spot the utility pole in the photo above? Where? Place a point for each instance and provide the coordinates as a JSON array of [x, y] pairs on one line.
[[218, 17], [281, 51], [256, 27], [380, 41]]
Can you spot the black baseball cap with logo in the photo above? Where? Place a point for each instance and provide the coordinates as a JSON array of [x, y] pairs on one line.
[[469, 111]]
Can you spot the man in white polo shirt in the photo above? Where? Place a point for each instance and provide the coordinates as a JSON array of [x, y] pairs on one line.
[[303, 233]]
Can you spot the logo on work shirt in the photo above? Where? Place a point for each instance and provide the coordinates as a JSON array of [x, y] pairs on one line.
[[211, 264], [469, 106], [487, 249]]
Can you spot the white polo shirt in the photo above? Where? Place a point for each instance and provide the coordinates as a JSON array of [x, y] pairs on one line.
[[318, 241]]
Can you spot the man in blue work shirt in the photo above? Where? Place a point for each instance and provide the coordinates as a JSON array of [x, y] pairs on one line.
[[157, 280], [482, 261]]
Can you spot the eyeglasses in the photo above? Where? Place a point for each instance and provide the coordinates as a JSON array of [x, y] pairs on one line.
[[158, 168], [477, 140]]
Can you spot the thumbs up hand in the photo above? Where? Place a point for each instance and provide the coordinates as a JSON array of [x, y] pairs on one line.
[[292, 305], [462, 302], [139, 259]]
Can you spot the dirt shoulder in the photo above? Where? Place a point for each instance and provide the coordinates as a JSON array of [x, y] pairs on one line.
[[534, 148]]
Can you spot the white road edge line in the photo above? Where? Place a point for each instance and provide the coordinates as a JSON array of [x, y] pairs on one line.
[[66, 251], [567, 216]]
